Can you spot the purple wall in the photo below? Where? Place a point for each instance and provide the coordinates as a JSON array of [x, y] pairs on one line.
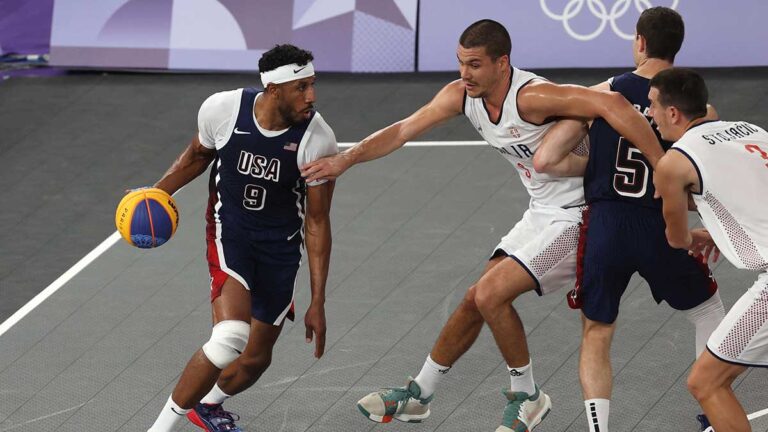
[[594, 33], [232, 34], [25, 26], [366, 35]]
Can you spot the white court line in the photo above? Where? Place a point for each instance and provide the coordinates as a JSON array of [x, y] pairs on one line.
[[43, 417], [58, 283], [112, 239], [757, 414], [106, 244]]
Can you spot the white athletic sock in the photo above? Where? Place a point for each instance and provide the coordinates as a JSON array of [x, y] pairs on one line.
[[597, 414], [215, 396], [430, 376], [522, 379], [705, 318], [169, 416]]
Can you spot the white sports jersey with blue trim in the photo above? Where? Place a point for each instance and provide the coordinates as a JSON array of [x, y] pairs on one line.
[[517, 140], [732, 161]]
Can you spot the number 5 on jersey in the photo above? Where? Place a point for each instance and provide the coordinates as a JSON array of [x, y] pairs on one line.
[[631, 178]]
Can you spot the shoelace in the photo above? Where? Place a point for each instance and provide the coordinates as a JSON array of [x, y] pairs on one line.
[[220, 412], [397, 390], [519, 403]]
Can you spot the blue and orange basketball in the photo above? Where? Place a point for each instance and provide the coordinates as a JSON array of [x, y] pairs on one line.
[[147, 218]]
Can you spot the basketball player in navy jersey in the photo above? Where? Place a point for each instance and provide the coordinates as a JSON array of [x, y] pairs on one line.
[[512, 109], [259, 210], [624, 226], [722, 165]]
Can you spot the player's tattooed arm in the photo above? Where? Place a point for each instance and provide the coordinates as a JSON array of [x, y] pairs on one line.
[[445, 105], [555, 155], [318, 241], [192, 162], [674, 180]]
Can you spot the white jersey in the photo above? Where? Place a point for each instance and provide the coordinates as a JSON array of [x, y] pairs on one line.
[[517, 140], [731, 159]]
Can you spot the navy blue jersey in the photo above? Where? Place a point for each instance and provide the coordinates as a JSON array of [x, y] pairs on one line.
[[616, 170], [255, 186]]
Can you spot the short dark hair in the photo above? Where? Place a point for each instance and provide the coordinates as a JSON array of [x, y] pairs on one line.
[[489, 34], [663, 30], [282, 55], [684, 89]]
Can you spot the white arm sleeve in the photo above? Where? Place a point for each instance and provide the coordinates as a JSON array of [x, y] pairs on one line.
[[216, 117], [319, 141]]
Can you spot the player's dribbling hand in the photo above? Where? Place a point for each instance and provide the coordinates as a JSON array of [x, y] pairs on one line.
[[703, 245], [314, 321], [327, 168], [127, 191]]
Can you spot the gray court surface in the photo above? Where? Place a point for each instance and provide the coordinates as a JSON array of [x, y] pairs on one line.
[[411, 232]]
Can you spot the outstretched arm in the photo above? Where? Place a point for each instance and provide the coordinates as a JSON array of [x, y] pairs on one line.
[[540, 101], [445, 105], [555, 155], [192, 162], [318, 231]]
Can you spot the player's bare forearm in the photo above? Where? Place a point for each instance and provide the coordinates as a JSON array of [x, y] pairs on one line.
[[538, 102], [319, 244], [676, 218], [572, 165], [192, 162], [553, 156], [318, 238], [446, 104], [633, 126], [378, 144], [671, 187], [318, 241]]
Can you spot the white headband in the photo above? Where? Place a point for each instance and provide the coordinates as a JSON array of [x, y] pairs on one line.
[[287, 73]]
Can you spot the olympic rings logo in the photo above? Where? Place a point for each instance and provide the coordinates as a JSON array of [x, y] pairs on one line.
[[599, 10]]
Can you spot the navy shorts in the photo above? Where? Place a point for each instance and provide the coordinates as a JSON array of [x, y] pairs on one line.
[[267, 268], [621, 239]]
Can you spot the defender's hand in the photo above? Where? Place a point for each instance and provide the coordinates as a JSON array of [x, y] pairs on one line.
[[703, 245], [314, 321], [327, 168]]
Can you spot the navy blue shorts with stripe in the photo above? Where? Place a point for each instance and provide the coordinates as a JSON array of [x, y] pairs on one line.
[[622, 239], [267, 268]]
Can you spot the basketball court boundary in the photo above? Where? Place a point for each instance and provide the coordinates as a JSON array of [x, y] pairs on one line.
[[107, 243]]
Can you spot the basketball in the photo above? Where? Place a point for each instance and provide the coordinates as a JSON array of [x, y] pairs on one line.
[[147, 217]]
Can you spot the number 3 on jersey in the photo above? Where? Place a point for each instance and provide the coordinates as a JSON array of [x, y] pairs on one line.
[[631, 178], [255, 196]]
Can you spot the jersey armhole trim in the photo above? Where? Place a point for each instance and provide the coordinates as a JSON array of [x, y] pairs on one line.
[[464, 102], [698, 172]]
